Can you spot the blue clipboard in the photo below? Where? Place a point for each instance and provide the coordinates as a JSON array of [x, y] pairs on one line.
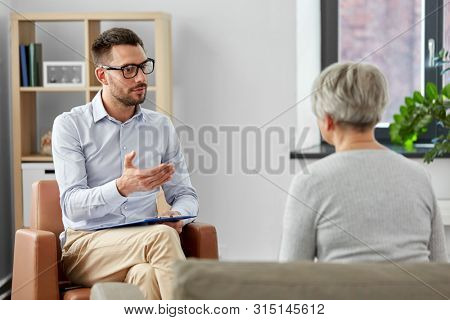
[[153, 220]]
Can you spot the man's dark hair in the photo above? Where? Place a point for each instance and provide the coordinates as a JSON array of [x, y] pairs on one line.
[[115, 36]]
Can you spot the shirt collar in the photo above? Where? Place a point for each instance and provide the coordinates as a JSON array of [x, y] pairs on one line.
[[99, 111]]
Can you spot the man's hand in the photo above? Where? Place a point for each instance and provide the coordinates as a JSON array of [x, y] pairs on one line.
[[176, 225], [134, 179]]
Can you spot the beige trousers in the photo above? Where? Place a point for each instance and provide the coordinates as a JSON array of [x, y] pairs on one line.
[[140, 255]]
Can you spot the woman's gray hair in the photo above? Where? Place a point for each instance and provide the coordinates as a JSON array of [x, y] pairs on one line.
[[353, 94]]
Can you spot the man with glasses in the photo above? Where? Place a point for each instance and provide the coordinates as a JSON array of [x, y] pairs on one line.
[[111, 157]]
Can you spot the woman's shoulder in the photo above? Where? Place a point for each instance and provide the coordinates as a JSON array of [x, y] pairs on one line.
[[364, 160]]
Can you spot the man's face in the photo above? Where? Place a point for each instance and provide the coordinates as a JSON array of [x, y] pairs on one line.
[[129, 92]]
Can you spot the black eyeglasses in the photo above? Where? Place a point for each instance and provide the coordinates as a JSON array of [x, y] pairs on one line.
[[131, 70]]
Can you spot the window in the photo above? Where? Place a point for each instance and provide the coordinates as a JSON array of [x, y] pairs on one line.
[[446, 30], [392, 34]]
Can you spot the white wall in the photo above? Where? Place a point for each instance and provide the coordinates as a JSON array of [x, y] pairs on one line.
[[439, 171], [234, 63]]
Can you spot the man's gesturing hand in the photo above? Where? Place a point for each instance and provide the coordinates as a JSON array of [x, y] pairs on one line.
[[134, 179]]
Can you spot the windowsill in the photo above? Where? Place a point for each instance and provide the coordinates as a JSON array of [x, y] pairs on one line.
[[324, 149]]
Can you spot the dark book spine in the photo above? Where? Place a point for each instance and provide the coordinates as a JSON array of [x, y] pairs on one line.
[[23, 66], [31, 63], [38, 63]]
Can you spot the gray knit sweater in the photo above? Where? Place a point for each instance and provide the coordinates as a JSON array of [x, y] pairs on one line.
[[363, 205]]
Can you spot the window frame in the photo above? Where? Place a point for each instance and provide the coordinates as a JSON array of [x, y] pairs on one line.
[[434, 28]]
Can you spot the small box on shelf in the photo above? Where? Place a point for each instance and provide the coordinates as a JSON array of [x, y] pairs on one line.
[[64, 73]]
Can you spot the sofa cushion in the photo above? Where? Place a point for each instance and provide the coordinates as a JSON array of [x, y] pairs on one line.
[[204, 279], [116, 291]]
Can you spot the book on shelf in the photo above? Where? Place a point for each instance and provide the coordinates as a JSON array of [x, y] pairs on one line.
[[37, 63], [31, 65], [23, 66]]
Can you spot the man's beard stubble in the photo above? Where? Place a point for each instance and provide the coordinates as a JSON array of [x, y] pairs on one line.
[[126, 100]]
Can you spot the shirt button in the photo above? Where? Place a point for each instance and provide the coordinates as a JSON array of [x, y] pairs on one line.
[[124, 148], [125, 207]]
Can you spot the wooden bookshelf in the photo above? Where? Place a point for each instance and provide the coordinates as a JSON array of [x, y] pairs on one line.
[[36, 158], [97, 88], [24, 109], [53, 89]]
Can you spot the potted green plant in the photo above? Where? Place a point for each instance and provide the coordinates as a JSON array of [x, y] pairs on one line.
[[420, 110]]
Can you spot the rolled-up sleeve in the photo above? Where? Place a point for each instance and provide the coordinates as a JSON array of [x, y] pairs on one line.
[[78, 201]]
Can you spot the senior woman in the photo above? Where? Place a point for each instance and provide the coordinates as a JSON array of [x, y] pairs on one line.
[[364, 202]]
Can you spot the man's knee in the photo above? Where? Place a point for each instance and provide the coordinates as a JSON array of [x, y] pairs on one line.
[[165, 240], [143, 275], [141, 270], [165, 232]]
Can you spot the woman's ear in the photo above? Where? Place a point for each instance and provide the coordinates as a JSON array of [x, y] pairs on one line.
[[330, 124], [327, 126], [101, 75]]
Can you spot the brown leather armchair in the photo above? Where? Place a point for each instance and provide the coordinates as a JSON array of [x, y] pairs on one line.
[[37, 272]]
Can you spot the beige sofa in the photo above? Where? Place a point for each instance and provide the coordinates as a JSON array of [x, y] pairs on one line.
[[207, 279]]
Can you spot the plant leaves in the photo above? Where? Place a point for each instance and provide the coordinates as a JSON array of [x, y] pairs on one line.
[[431, 92], [446, 91], [409, 144], [420, 110], [423, 122], [418, 97], [403, 111], [394, 133], [398, 118], [410, 102]]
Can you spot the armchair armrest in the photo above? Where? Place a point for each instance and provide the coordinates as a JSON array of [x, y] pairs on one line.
[[35, 271], [199, 240]]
